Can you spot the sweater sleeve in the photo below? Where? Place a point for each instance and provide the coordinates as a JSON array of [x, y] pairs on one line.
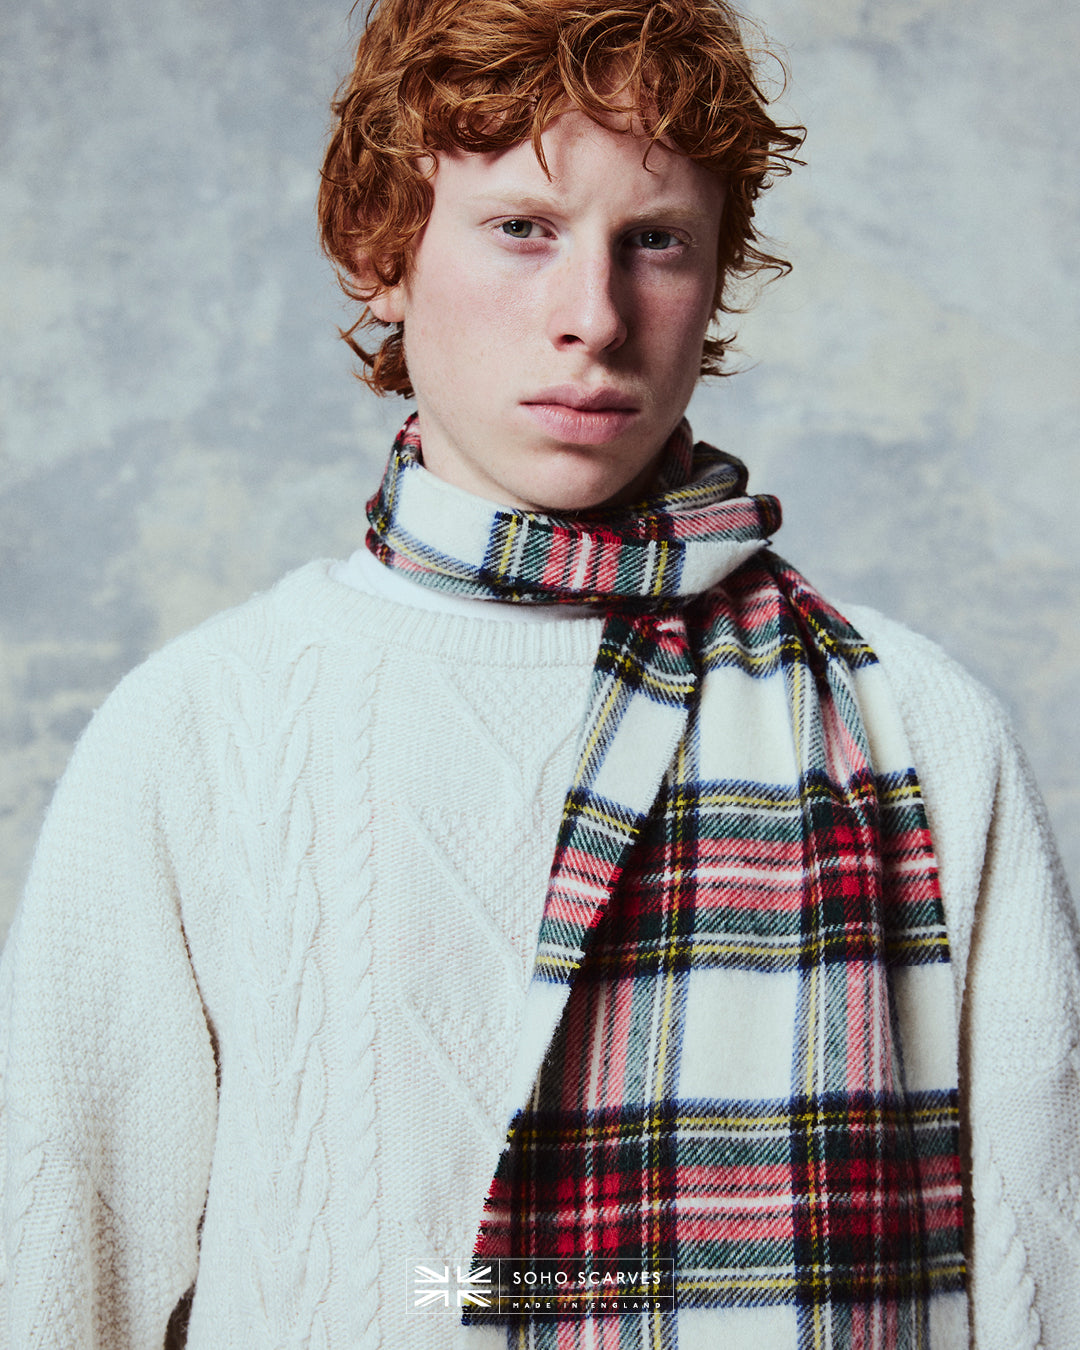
[[109, 1079], [1020, 1039], [1014, 946]]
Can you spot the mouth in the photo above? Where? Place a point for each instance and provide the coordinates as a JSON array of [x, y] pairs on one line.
[[583, 400], [575, 416]]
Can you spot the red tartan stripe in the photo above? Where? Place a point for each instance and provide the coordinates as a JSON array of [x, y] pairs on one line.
[[647, 1331], [756, 931], [736, 853], [730, 871], [768, 875], [735, 1195], [639, 558]]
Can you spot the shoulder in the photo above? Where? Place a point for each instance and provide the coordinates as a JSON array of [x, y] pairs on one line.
[[297, 611], [163, 702], [916, 664], [991, 836], [268, 627], [950, 718], [958, 733]]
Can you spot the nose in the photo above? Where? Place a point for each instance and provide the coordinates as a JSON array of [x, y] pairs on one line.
[[588, 307]]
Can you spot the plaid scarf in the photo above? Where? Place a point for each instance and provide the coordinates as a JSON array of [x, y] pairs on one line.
[[739, 1042]]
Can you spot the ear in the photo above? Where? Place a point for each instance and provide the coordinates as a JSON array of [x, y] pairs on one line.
[[388, 305]]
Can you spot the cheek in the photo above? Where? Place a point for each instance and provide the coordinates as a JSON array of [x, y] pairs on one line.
[[478, 315], [678, 319], [701, 298]]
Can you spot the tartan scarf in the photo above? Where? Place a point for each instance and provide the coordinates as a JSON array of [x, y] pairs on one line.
[[739, 1041]]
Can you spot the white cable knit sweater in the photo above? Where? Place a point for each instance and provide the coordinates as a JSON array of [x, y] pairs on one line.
[[262, 994]]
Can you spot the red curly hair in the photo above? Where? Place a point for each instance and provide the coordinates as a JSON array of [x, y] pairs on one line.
[[436, 76]]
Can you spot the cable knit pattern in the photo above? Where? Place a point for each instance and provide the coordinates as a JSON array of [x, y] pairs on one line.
[[474, 903], [264, 990], [355, 949], [280, 989], [1005, 1315], [26, 1144]]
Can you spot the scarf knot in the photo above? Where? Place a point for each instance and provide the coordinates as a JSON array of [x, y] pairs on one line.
[[697, 528]]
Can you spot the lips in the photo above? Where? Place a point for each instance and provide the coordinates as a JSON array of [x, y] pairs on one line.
[[583, 400], [573, 416]]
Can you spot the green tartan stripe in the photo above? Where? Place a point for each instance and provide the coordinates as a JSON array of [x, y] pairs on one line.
[[744, 810], [765, 927], [753, 952]]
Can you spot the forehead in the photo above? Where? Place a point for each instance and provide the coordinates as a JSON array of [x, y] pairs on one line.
[[585, 164]]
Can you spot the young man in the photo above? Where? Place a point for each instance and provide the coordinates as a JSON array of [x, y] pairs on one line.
[[326, 978]]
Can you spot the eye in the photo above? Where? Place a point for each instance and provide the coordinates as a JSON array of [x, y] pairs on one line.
[[655, 240], [517, 229]]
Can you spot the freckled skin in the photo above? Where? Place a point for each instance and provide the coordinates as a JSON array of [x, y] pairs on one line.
[[530, 295]]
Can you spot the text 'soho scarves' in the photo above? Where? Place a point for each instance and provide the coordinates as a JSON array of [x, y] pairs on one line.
[[739, 1044]]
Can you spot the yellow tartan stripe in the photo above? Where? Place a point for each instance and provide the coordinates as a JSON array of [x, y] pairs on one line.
[[663, 553], [947, 1275], [713, 1119], [892, 793], [515, 526], [598, 730]]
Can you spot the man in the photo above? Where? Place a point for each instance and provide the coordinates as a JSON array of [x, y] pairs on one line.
[[323, 975]]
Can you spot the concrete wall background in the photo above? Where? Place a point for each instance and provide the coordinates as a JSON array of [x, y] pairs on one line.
[[178, 426]]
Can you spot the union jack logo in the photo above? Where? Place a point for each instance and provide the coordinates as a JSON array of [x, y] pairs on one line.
[[433, 1287]]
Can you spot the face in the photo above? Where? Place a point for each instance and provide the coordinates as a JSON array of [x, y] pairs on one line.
[[554, 327]]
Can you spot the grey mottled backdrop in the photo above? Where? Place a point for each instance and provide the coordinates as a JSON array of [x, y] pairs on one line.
[[178, 426]]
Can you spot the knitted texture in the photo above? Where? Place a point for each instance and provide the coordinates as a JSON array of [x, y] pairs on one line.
[[787, 896], [432, 752], [280, 990]]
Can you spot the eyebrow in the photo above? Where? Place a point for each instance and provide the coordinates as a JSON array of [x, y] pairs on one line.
[[526, 202]]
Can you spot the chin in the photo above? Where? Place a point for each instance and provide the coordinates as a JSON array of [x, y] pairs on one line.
[[566, 493], [568, 501]]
